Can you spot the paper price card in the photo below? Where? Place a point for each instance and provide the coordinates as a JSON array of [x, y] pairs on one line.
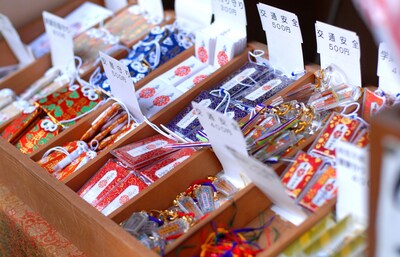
[[231, 12], [340, 47], [388, 70], [14, 41], [61, 43], [115, 5], [195, 14], [121, 84], [153, 7], [353, 181], [284, 39], [270, 184], [222, 130], [388, 210]]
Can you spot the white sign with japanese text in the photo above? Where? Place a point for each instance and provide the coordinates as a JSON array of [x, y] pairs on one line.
[[61, 43], [340, 47], [222, 130], [388, 70], [193, 14], [353, 181], [121, 84], [115, 5], [232, 13], [154, 8], [282, 29]]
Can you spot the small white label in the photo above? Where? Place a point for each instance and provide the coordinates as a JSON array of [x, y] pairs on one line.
[[238, 78], [298, 175], [195, 14], [14, 41], [231, 13], [164, 170], [221, 131], [121, 84], [336, 136], [339, 47], [115, 5], [103, 182], [61, 43], [153, 7], [353, 181], [263, 89], [282, 28], [191, 116], [388, 71], [270, 184], [121, 199], [147, 148]]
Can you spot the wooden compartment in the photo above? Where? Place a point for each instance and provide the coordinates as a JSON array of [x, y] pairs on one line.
[[98, 235], [24, 78], [52, 199]]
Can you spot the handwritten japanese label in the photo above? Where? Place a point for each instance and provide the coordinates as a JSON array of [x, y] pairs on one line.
[[230, 12], [61, 43], [195, 14], [115, 5], [153, 7], [282, 28], [340, 47], [121, 84], [388, 70], [14, 41], [353, 181], [222, 130]]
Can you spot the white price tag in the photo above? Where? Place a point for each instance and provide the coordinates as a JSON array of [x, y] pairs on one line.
[[222, 130], [61, 43], [284, 39], [153, 7], [115, 5], [232, 13], [388, 70], [14, 41], [121, 84], [270, 184], [388, 210], [353, 181], [193, 14], [340, 47]]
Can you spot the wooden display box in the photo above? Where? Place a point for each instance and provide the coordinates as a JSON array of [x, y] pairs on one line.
[[98, 235]]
